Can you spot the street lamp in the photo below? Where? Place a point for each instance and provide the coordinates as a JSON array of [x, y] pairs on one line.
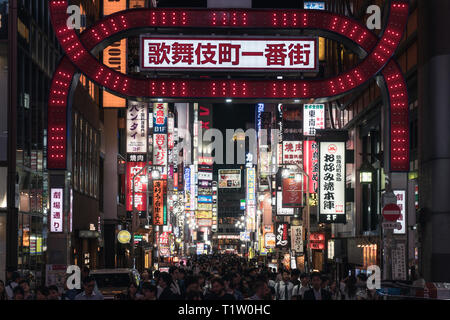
[[366, 173]]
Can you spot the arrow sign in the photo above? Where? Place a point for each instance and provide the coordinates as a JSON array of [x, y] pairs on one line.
[[391, 212]]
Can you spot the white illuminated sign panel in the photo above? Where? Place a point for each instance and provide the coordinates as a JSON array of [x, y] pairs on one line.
[[401, 202], [229, 53], [313, 118], [314, 5], [56, 209], [332, 182], [160, 149], [280, 210], [137, 128]]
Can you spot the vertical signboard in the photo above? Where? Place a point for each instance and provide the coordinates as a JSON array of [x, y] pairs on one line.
[[159, 210], [313, 118], [282, 235], [401, 202], [115, 56], [292, 152], [332, 182], [311, 164], [140, 187], [214, 208], [297, 239], [56, 209], [399, 262], [137, 128]]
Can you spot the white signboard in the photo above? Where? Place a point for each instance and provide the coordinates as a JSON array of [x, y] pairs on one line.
[[313, 118], [292, 152], [205, 176], [297, 239], [280, 210], [137, 128], [332, 182], [160, 149], [230, 178], [314, 5], [56, 209], [399, 262], [401, 202], [229, 53]]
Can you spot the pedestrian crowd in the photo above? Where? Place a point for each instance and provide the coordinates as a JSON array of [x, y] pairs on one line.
[[217, 277]]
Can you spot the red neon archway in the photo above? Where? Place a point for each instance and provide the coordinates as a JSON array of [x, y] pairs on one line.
[[80, 58]]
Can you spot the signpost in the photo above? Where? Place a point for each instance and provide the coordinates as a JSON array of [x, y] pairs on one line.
[[391, 212]]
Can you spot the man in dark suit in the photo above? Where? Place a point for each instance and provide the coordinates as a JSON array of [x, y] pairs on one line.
[[165, 281], [316, 293]]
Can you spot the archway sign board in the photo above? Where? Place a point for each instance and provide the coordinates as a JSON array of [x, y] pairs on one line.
[[79, 59]]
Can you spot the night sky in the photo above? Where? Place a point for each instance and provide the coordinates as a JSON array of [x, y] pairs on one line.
[[232, 116]]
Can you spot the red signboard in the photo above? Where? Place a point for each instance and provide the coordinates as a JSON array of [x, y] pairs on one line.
[[317, 241], [317, 246], [316, 237], [292, 193], [140, 187], [311, 164]]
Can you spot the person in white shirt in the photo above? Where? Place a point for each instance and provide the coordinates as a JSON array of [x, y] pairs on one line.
[[14, 283], [299, 290], [283, 289]]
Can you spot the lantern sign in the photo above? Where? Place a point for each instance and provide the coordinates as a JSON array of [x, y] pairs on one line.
[[254, 54], [317, 241], [332, 182], [313, 118], [56, 209], [137, 128], [282, 235]]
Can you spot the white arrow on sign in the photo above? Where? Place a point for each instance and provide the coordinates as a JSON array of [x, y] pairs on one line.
[[392, 225]]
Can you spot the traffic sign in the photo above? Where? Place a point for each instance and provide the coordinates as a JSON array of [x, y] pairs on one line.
[[391, 212], [391, 225]]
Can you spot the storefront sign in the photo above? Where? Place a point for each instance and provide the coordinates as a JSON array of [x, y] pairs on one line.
[[229, 53], [137, 128], [297, 239], [140, 187], [332, 182], [160, 112], [399, 271], [313, 118], [269, 240], [317, 241], [230, 178], [282, 235], [160, 150], [56, 209], [205, 176], [204, 222], [251, 187], [401, 202], [124, 237], [292, 152], [311, 164], [203, 214], [159, 209]]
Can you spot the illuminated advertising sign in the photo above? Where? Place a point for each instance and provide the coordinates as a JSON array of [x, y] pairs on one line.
[[314, 5], [401, 202], [259, 111], [297, 239], [159, 209], [187, 188], [251, 187], [214, 208], [229, 53], [282, 235], [203, 214], [205, 176], [204, 222], [200, 247], [205, 206], [160, 150], [160, 111], [311, 164], [313, 118], [270, 240], [229, 178], [204, 199], [56, 209], [292, 152], [115, 56], [137, 128], [332, 182], [140, 187], [280, 210]]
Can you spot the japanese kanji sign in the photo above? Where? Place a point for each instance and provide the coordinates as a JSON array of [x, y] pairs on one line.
[[159, 209], [140, 187], [332, 182], [311, 164], [282, 235], [137, 128], [229, 53], [160, 111], [280, 210], [292, 193], [292, 152], [313, 118], [56, 209], [297, 239], [160, 149], [401, 202]]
